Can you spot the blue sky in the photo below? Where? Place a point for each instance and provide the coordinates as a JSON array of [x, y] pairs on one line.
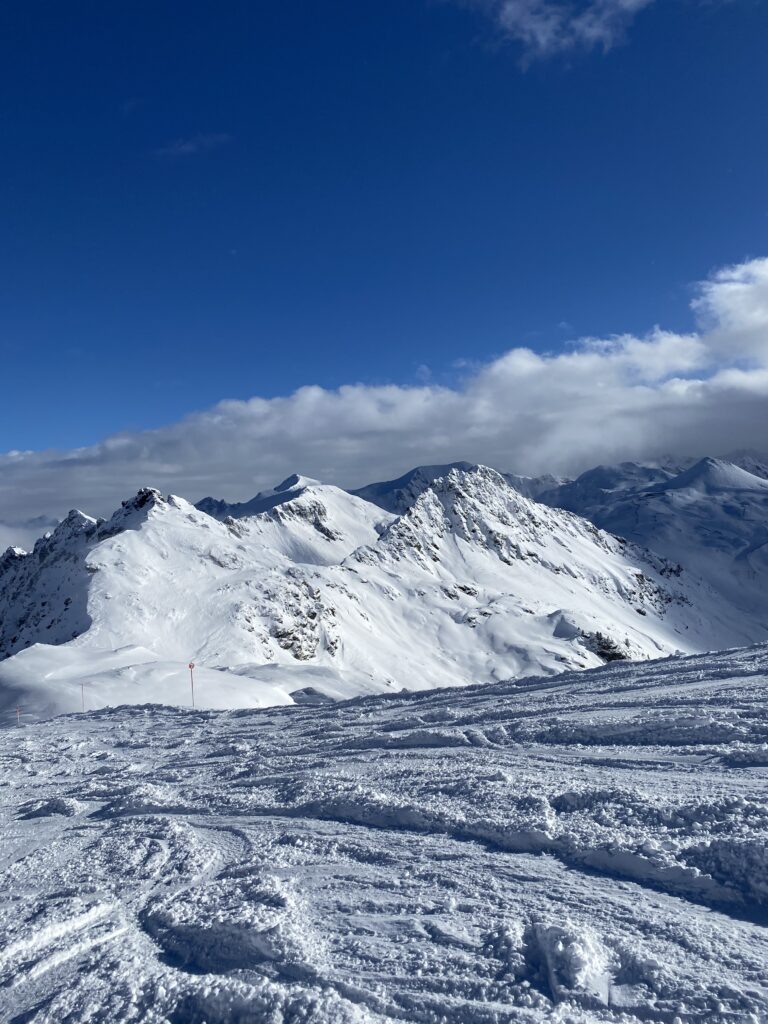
[[202, 202]]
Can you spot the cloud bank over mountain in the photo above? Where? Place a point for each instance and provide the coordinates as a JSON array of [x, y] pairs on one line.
[[603, 399]]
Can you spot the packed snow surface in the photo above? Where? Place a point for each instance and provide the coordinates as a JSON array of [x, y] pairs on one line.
[[586, 848]]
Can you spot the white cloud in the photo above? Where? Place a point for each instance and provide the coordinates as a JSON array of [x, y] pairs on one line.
[[733, 308], [24, 534], [547, 27], [193, 145], [705, 392]]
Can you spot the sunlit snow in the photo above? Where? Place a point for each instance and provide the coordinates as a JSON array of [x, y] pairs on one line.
[[584, 848]]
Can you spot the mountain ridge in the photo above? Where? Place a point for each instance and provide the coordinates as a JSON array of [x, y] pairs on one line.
[[326, 593]]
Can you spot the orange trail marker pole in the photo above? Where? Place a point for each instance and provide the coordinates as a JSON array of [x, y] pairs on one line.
[[192, 680]]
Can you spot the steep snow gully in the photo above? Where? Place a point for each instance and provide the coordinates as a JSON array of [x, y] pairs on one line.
[[587, 847]]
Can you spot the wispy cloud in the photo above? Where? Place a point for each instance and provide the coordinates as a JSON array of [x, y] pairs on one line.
[[193, 145], [24, 534], [700, 393], [548, 27]]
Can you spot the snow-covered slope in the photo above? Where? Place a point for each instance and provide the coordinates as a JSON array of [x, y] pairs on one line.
[[43, 594], [712, 518], [508, 586], [713, 476], [754, 462], [292, 487], [326, 594], [318, 525], [593, 488], [397, 496], [599, 487], [586, 849], [161, 583], [534, 486]]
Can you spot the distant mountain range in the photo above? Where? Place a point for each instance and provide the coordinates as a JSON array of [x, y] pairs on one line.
[[711, 517], [448, 575]]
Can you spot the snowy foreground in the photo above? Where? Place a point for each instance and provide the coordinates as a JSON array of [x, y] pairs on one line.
[[590, 847]]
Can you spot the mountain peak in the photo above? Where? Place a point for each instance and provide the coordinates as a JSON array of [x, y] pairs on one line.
[[292, 487], [74, 520], [74, 525], [711, 475], [9, 556], [398, 495], [477, 506], [145, 496], [296, 482], [134, 511]]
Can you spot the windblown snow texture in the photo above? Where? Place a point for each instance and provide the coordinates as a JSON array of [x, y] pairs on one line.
[[586, 848]]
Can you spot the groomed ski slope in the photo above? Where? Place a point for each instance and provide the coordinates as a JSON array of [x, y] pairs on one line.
[[590, 847]]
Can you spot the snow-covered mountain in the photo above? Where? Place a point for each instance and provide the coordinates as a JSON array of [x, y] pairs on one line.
[[599, 487], [534, 486], [755, 463], [292, 487], [398, 495], [590, 491], [327, 594], [712, 518]]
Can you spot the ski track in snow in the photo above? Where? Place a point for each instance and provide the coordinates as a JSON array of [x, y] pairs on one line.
[[590, 847]]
